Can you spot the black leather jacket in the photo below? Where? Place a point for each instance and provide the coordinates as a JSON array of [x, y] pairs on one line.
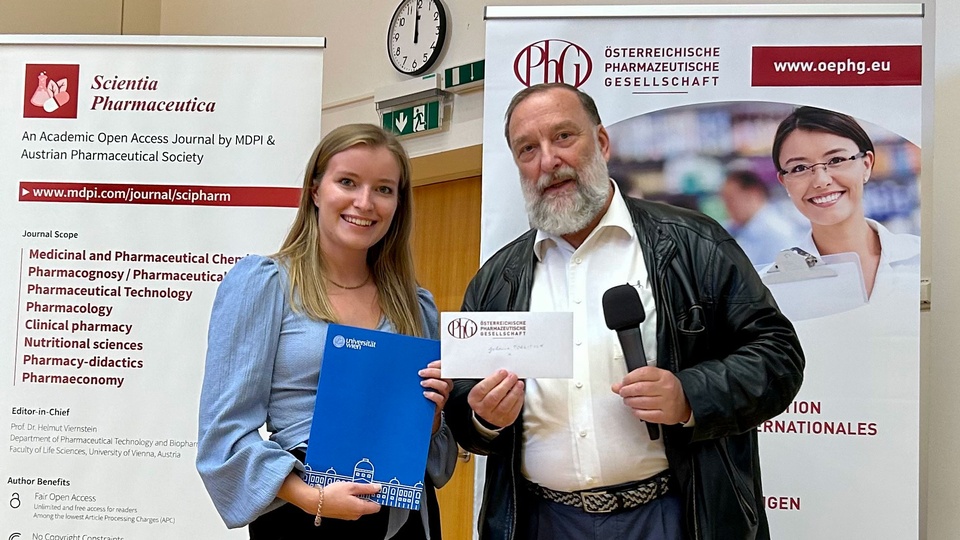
[[718, 329]]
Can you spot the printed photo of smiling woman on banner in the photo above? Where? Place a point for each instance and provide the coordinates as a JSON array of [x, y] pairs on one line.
[[805, 146]]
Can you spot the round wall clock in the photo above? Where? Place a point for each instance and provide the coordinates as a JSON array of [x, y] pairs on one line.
[[416, 35]]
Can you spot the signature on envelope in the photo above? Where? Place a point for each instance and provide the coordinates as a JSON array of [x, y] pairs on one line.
[[511, 348]]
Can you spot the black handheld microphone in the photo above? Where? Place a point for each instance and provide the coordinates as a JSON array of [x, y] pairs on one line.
[[623, 312]]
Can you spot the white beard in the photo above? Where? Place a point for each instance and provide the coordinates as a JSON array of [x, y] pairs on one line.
[[569, 212]]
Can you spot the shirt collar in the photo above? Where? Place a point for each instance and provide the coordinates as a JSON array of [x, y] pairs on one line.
[[893, 248], [617, 216]]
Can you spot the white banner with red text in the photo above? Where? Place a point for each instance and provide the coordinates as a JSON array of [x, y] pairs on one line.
[[691, 94], [137, 171]]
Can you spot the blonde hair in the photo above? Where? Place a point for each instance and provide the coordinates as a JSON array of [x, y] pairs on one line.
[[390, 260]]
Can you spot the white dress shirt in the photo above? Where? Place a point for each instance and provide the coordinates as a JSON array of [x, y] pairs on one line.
[[578, 434]]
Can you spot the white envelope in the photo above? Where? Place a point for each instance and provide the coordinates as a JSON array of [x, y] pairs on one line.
[[474, 345]]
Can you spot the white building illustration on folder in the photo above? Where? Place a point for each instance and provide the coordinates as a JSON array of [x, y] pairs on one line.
[[392, 493]]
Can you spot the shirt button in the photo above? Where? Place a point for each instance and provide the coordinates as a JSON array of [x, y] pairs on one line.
[[579, 343], [577, 301], [578, 260], [579, 384], [583, 433]]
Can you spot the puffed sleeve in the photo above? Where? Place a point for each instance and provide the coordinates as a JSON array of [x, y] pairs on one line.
[[241, 471], [442, 457]]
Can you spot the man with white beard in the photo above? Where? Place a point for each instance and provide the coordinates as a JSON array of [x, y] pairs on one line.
[[573, 458]]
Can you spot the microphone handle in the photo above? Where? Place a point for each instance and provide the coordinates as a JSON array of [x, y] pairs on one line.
[[635, 357]]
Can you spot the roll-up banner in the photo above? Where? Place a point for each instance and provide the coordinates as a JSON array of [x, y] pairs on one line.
[[136, 171], [692, 95]]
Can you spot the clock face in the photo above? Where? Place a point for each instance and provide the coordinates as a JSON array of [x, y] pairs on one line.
[[416, 35]]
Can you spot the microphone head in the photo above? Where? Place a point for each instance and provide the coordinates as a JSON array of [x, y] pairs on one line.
[[622, 307]]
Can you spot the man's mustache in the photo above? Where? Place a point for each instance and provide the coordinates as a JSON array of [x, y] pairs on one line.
[[560, 175]]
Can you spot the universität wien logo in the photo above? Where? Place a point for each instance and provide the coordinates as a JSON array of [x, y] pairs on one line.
[[50, 90]]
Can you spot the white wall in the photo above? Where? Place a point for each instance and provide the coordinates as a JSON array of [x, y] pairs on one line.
[[941, 340], [356, 61], [58, 17]]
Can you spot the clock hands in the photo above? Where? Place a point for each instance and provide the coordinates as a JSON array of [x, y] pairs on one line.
[[416, 25], [409, 52]]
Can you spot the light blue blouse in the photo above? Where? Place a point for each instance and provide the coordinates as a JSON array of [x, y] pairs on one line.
[[262, 366]]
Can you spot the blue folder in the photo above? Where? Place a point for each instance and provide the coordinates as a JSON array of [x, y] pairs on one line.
[[371, 421]]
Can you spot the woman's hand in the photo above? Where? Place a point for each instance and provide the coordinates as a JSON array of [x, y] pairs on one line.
[[437, 389], [341, 500]]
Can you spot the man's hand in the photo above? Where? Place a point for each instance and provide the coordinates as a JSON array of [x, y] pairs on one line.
[[498, 398], [655, 395]]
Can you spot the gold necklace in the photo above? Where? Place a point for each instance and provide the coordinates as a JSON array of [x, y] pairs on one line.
[[344, 287]]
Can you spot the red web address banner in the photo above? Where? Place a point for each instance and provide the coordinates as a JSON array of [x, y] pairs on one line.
[[86, 192], [864, 65]]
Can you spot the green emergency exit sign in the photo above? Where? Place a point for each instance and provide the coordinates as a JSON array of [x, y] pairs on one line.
[[461, 77], [415, 119]]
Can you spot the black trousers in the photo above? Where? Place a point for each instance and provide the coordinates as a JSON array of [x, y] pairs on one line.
[[291, 523]]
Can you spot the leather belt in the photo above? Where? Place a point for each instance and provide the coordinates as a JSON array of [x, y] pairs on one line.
[[612, 498]]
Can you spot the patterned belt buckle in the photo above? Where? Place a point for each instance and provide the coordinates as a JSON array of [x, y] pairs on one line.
[[598, 502]]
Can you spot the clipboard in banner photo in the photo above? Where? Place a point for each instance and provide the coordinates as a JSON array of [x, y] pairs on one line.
[[807, 286]]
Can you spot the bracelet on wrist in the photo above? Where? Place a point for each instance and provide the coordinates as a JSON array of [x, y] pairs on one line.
[[316, 520]]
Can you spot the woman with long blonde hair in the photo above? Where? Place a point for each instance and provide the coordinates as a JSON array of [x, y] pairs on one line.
[[346, 260]]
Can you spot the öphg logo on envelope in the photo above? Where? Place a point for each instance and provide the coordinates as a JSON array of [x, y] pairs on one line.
[[462, 328]]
